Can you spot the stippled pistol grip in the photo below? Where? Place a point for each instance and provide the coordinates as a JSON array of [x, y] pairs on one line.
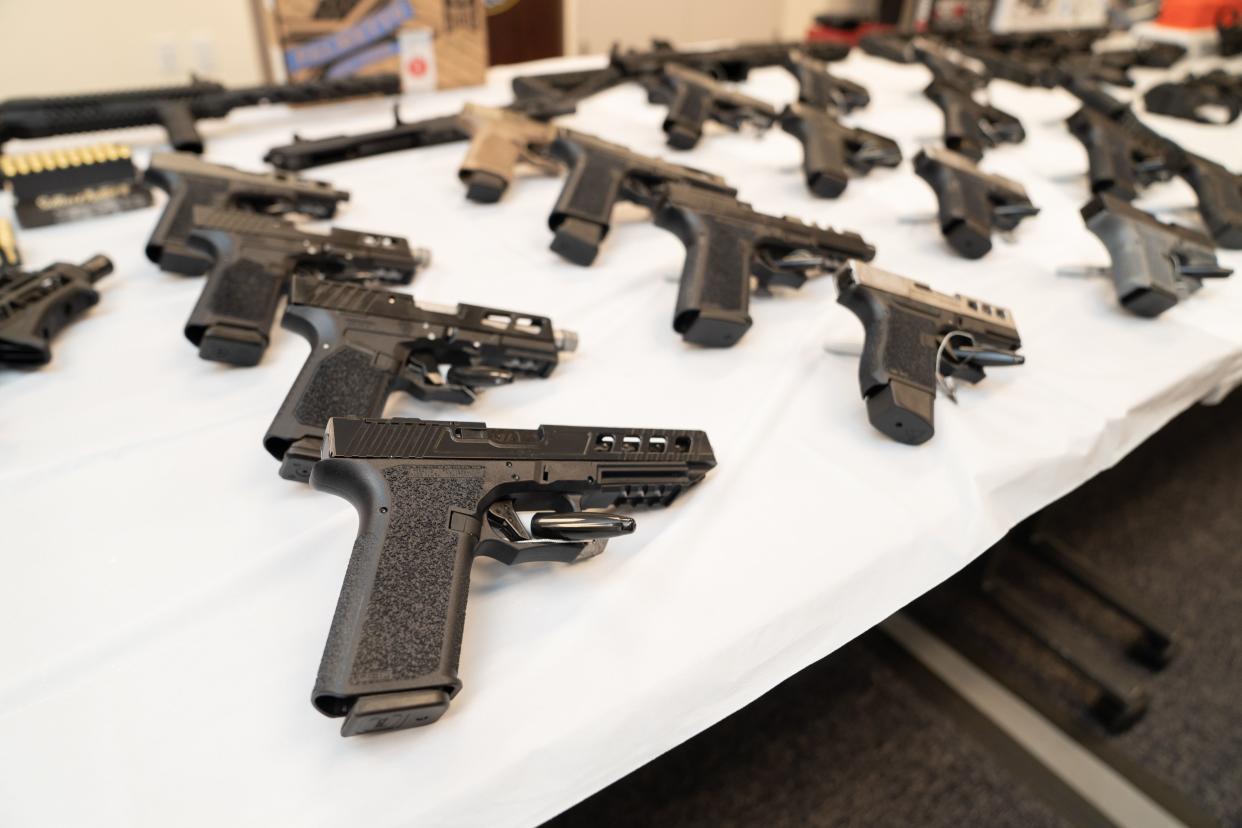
[[337, 380], [390, 661], [233, 318]]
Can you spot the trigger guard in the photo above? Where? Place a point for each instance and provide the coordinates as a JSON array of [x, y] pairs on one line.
[[531, 551], [949, 366], [516, 545]]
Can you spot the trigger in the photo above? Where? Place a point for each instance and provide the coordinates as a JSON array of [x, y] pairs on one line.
[[791, 270], [424, 381], [541, 162], [504, 521], [473, 376]]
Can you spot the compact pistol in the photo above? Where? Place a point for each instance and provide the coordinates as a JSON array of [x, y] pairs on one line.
[[917, 339]]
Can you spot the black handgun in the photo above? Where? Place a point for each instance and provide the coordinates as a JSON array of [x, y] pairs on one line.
[[1118, 162], [16, 111], [565, 88], [732, 63], [694, 97], [916, 339], [727, 243], [35, 306], [1219, 192], [970, 126], [254, 258], [889, 46], [176, 109], [949, 66], [1211, 98], [1026, 70], [367, 343], [192, 183], [817, 86], [1098, 68], [433, 495], [829, 148], [1113, 65], [1132, 154], [1154, 265], [601, 173], [402, 135], [971, 202]]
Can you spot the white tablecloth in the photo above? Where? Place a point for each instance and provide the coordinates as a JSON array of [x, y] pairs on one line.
[[166, 595]]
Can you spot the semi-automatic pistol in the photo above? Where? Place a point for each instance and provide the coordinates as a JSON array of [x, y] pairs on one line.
[[830, 150], [431, 497], [818, 87], [191, 182], [727, 243], [971, 202], [499, 140], [694, 97], [601, 173], [255, 256], [970, 126], [916, 339], [367, 343], [1154, 265]]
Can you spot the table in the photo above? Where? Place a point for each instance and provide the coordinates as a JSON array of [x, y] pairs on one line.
[[167, 595]]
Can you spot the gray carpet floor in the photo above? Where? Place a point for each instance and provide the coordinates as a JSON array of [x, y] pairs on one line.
[[1166, 524], [865, 737], [850, 741]]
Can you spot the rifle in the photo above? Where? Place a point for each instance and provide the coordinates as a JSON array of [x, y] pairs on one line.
[[402, 135], [176, 109], [729, 64]]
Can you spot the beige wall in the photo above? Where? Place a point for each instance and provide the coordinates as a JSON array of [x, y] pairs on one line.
[[59, 46], [594, 25]]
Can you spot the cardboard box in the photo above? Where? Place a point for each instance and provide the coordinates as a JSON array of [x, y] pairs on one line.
[[433, 44]]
